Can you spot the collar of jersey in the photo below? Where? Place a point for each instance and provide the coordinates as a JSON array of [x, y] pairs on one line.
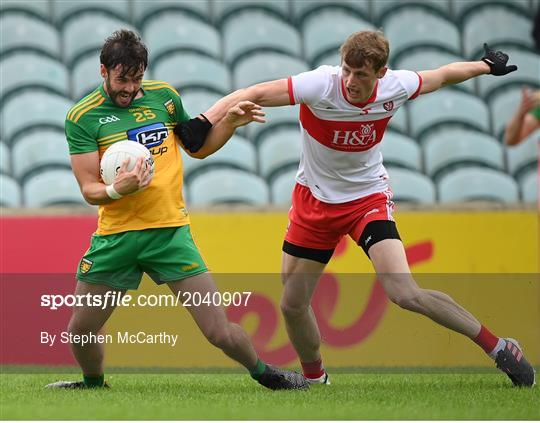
[[371, 99]]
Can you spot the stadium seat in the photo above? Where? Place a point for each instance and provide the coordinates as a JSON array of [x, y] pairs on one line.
[[145, 10], [529, 186], [452, 147], [225, 9], [5, 159], [267, 66], [228, 186], [238, 153], [86, 76], [63, 10], [528, 73], [192, 70], [198, 101], [410, 186], [382, 9], [401, 151], [38, 9], [524, 156], [279, 150], [331, 58], [19, 31], [477, 184], [409, 28], [322, 35], [255, 31], [52, 187], [282, 186], [276, 117], [86, 33], [501, 107], [10, 192], [430, 58], [478, 28], [46, 110], [31, 70], [305, 9], [447, 107], [184, 32], [399, 120], [463, 8], [38, 150]]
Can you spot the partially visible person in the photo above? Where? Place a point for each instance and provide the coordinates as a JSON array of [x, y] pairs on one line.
[[526, 118]]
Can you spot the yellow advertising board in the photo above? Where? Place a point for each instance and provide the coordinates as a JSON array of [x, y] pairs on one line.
[[487, 261]]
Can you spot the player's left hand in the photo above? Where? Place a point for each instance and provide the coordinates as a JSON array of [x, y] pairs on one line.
[[243, 113], [497, 61]]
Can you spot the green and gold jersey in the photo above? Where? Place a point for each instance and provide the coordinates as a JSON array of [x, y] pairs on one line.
[[95, 123]]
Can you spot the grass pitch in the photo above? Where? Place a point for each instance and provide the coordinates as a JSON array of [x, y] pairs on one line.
[[237, 396]]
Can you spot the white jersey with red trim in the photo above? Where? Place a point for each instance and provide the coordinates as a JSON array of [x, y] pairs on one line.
[[341, 155]]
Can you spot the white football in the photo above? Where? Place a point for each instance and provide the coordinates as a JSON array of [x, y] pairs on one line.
[[120, 151]]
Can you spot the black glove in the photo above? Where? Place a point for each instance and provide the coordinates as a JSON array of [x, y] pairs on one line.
[[497, 61]]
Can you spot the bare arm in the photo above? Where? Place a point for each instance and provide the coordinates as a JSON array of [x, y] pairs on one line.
[[450, 74], [239, 115], [86, 169], [266, 94], [522, 122]]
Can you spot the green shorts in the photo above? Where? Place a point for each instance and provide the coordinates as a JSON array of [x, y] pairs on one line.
[[119, 260]]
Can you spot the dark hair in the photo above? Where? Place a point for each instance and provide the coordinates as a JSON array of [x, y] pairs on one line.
[[125, 48], [365, 48]]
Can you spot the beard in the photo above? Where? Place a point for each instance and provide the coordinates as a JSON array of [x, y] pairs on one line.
[[117, 96]]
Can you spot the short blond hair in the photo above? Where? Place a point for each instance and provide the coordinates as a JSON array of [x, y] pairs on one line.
[[365, 48]]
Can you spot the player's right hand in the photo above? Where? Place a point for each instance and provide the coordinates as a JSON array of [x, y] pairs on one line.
[[129, 182], [497, 61]]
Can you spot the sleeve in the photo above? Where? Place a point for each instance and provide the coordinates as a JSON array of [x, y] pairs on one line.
[[78, 138], [181, 114], [410, 81], [536, 113], [309, 87]]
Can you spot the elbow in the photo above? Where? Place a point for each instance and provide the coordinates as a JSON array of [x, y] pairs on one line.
[[87, 197]]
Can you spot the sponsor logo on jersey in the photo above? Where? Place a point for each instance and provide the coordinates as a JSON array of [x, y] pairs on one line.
[[85, 265], [149, 135], [366, 135], [389, 105], [169, 105], [109, 119]]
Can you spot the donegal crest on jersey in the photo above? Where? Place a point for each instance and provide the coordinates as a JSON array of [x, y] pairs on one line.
[[95, 123]]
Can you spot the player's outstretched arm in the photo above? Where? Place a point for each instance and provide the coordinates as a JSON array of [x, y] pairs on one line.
[[266, 94], [522, 123], [238, 115], [86, 169], [493, 62]]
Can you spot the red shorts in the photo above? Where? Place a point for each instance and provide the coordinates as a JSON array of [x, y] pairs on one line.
[[315, 224]]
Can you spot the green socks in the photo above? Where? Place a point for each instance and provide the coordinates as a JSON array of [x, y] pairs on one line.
[[258, 370], [94, 381]]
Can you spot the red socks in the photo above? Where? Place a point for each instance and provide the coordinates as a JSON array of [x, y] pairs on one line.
[[486, 340], [313, 370]]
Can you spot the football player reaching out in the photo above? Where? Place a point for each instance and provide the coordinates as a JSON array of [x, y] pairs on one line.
[[147, 231], [342, 189]]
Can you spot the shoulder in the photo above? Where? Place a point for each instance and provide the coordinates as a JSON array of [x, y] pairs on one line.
[[396, 81], [159, 86], [90, 102]]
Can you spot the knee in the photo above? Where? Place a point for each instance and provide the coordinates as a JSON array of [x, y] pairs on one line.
[[292, 310], [81, 327]]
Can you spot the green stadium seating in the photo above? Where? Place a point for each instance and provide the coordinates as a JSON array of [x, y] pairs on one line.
[[302, 9], [278, 150], [401, 151], [410, 186], [399, 121], [453, 147], [524, 156], [5, 159], [19, 31], [28, 70], [276, 117], [477, 184], [145, 10], [191, 70], [282, 186], [463, 8], [63, 10], [382, 9], [38, 9], [228, 186], [529, 186], [223, 10], [86, 76], [255, 31], [10, 192], [52, 187], [198, 101], [331, 58], [502, 105]]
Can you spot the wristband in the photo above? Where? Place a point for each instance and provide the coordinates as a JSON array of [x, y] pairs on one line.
[[112, 193]]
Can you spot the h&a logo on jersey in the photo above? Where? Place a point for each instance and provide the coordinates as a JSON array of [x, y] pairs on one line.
[[363, 137], [389, 105], [109, 119]]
